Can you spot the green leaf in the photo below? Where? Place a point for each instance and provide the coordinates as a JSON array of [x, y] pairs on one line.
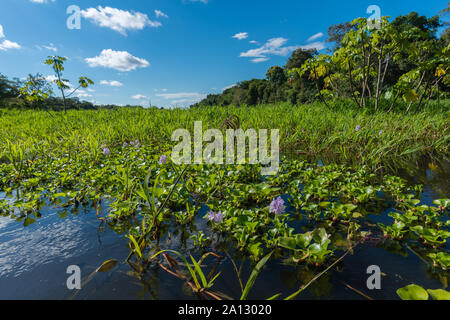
[[303, 240], [107, 266], [254, 275], [412, 292], [439, 294], [200, 272], [288, 243]]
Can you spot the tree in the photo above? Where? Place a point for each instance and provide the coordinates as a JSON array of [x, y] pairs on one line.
[[36, 90], [57, 63], [299, 57], [336, 33], [276, 75], [8, 88], [427, 26]]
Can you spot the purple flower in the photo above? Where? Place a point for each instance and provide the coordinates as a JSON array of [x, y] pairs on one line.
[[380, 133], [106, 151], [215, 217], [358, 127], [125, 144], [277, 206], [163, 159], [136, 143]]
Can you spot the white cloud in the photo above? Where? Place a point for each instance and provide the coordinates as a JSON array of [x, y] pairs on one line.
[[228, 87], [258, 60], [276, 46], [84, 95], [51, 78], [273, 46], [6, 45], [241, 36], [159, 13], [112, 83], [118, 20], [315, 37], [202, 1], [118, 60], [139, 97], [192, 95], [254, 42], [315, 45], [50, 47]]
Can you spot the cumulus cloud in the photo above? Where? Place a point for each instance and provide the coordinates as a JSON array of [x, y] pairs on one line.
[[112, 83], [118, 20], [6, 45], [315, 37], [241, 36], [159, 13], [118, 60]]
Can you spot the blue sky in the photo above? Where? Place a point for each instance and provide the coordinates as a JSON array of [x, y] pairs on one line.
[[171, 52]]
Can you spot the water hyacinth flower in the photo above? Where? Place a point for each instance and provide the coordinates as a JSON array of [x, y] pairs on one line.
[[216, 217], [163, 159], [358, 128], [277, 206], [106, 151]]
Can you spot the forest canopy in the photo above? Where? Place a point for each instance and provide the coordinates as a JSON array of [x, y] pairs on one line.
[[372, 63]]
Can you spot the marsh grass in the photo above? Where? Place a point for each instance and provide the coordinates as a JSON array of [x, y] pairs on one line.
[[305, 130]]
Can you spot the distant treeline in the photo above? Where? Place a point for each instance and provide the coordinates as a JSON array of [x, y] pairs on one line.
[[10, 97], [401, 60]]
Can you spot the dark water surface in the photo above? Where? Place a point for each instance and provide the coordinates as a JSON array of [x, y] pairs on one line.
[[34, 259]]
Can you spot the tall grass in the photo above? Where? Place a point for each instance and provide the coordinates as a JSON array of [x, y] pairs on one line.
[[305, 130]]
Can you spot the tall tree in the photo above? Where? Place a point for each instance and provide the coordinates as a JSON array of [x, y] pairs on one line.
[[276, 75], [299, 57]]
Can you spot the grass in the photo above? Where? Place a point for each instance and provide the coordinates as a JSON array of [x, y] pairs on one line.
[[305, 130], [60, 162]]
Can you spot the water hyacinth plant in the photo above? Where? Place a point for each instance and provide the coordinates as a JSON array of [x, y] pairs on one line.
[[277, 206]]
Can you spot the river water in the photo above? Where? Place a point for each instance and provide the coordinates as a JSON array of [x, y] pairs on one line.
[[34, 260]]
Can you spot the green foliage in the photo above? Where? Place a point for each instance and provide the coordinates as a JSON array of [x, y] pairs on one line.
[[415, 292], [375, 67]]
